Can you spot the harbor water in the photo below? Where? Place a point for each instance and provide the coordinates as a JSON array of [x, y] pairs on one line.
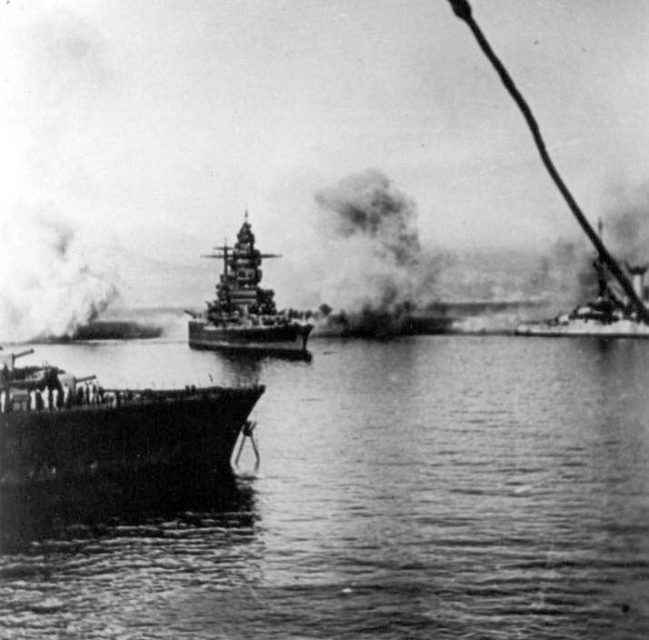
[[429, 487]]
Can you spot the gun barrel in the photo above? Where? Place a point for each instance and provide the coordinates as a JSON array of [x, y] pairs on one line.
[[193, 314], [20, 354], [86, 378]]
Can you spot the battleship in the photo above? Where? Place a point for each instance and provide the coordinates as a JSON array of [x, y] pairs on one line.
[[622, 313], [243, 318], [610, 314], [57, 427]]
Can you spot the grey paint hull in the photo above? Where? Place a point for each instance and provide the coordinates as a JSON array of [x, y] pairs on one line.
[[284, 341]]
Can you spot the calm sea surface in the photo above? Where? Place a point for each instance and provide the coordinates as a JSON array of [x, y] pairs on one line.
[[434, 487]]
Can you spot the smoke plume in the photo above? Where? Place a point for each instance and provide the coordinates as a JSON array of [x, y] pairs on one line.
[[380, 263], [626, 226], [49, 284], [567, 273]]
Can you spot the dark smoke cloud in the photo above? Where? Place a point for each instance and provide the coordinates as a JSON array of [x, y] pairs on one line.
[[368, 205], [381, 264], [380, 270]]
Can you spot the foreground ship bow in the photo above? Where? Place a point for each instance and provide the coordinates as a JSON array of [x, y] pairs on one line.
[[53, 426], [244, 318]]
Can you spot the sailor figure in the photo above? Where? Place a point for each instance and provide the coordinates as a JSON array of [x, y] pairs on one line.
[[4, 375], [55, 399], [47, 399], [4, 386], [32, 400]]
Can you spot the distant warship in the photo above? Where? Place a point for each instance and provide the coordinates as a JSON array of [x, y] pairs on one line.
[[243, 317], [613, 314], [610, 314]]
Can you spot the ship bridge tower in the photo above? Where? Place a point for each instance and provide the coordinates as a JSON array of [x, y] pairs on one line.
[[238, 288]]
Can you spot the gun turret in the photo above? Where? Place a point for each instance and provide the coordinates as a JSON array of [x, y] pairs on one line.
[[70, 380], [20, 354], [32, 370], [9, 359]]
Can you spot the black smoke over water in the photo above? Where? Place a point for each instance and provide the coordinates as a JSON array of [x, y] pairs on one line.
[[379, 270], [367, 205], [379, 273]]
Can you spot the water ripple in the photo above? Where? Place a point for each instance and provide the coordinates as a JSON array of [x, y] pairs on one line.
[[476, 488]]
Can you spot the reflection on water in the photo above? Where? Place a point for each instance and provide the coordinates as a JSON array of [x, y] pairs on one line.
[[91, 563], [240, 370], [98, 506], [475, 487]]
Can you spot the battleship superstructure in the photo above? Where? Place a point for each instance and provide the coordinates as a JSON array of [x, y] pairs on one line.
[[244, 317]]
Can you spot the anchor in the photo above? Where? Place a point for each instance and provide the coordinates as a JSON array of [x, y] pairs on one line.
[[247, 433]]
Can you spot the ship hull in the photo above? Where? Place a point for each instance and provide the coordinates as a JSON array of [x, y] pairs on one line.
[[288, 341], [585, 328], [193, 430]]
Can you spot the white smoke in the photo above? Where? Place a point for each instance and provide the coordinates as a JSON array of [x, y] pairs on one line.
[[49, 282]]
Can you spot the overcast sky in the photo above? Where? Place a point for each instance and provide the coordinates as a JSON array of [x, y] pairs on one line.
[[153, 125]]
